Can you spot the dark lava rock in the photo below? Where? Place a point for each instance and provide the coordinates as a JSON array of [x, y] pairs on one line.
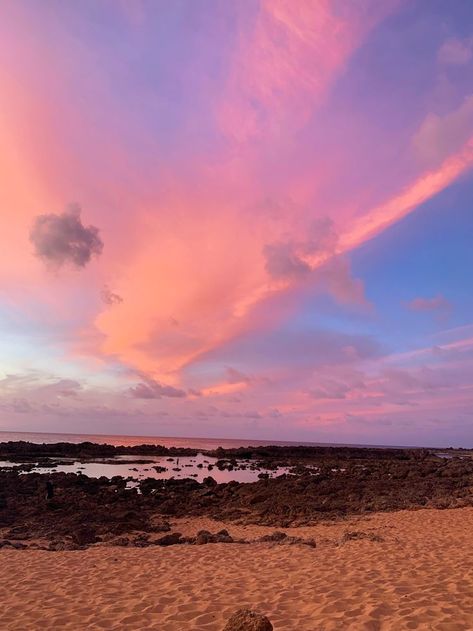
[[209, 481], [349, 481], [204, 536], [282, 539], [169, 540], [246, 620], [274, 536], [61, 546], [358, 534], [84, 535], [162, 527], [160, 469]]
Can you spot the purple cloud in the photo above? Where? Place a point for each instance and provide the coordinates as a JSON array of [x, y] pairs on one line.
[[63, 239], [152, 389]]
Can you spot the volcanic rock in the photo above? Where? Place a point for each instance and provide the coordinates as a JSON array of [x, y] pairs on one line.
[[246, 620], [84, 535], [358, 534], [169, 540]]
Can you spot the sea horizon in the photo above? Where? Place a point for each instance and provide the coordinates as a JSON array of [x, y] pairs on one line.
[[194, 442]]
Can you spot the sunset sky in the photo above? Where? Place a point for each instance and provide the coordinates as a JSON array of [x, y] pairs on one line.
[[247, 218]]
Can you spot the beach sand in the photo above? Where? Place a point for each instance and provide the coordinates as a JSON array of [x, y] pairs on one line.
[[419, 577]]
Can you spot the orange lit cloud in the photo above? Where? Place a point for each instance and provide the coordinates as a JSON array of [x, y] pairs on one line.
[[186, 231]]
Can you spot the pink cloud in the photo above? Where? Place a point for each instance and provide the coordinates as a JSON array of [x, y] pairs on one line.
[[456, 51], [439, 306], [199, 240]]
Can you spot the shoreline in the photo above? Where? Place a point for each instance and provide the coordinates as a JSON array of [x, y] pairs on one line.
[[71, 509]]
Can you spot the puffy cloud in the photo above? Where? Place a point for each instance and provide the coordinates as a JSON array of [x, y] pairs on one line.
[[109, 297], [335, 278], [441, 136], [282, 261], [63, 388], [291, 258], [63, 239], [315, 258], [152, 389], [455, 51]]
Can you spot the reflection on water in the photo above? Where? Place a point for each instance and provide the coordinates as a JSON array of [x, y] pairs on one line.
[[196, 467]]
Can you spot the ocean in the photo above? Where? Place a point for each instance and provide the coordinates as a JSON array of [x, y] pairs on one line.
[[197, 467], [166, 441]]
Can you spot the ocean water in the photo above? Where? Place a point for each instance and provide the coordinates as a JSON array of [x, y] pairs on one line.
[[196, 467], [166, 441]]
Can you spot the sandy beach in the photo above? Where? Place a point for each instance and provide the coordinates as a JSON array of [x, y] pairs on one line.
[[418, 577]]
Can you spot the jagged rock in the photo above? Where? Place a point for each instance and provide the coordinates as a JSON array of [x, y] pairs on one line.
[[282, 538], [60, 546], [161, 527], [203, 537], [209, 481], [358, 534], [274, 536], [84, 535], [169, 540], [160, 469], [246, 620]]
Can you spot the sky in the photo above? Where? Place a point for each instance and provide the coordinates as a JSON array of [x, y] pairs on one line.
[[245, 219]]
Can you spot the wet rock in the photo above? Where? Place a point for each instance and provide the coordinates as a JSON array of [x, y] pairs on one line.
[[160, 469], [209, 481], [246, 620]]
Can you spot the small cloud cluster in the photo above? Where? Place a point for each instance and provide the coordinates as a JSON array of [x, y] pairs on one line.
[[64, 388], [315, 258], [109, 297], [152, 389], [63, 239], [441, 136], [289, 259], [235, 376], [438, 305], [456, 52], [331, 389]]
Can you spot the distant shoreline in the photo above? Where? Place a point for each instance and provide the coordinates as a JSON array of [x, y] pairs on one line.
[[182, 441]]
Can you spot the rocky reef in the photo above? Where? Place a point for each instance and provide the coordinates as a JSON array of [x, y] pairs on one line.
[[325, 483]]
